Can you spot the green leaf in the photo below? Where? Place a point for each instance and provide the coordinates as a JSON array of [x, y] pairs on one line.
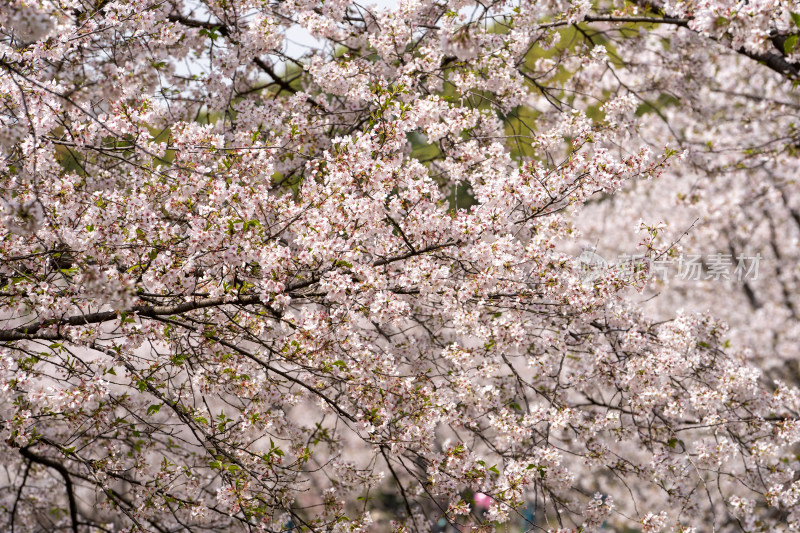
[[673, 442], [153, 409], [211, 33], [796, 19], [790, 44]]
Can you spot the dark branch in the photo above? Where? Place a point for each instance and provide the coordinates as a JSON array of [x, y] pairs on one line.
[[33, 331], [73, 508], [775, 61], [191, 23]]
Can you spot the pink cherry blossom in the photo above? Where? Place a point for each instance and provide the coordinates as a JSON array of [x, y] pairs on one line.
[[251, 281]]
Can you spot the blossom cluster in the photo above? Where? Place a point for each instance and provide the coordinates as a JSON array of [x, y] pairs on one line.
[[246, 288]]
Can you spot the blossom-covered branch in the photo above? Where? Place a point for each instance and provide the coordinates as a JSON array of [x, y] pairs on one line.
[[254, 284]]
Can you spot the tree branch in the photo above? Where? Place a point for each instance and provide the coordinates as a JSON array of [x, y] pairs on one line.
[[774, 61], [61, 469], [220, 27], [33, 331]]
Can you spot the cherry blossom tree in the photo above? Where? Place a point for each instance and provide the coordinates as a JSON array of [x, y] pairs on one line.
[[250, 284]]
